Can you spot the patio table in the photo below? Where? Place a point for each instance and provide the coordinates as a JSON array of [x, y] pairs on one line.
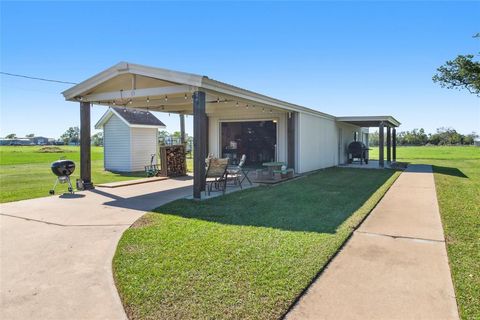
[[273, 166]]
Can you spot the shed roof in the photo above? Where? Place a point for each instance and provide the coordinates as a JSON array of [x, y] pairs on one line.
[[132, 117]]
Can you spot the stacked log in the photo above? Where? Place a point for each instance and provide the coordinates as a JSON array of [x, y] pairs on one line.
[[173, 161]]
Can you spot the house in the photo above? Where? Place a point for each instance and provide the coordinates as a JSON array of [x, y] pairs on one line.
[[41, 140], [130, 137], [229, 120]]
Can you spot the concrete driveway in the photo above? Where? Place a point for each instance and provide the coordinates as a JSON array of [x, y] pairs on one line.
[[56, 252]]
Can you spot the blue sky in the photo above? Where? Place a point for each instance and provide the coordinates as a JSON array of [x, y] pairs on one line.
[[342, 58]]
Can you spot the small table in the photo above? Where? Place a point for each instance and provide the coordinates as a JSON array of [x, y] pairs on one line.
[[273, 166]]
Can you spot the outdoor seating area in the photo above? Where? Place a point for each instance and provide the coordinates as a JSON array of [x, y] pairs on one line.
[[273, 172], [220, 174]]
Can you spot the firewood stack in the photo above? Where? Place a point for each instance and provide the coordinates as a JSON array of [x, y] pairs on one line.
[[173, 161]]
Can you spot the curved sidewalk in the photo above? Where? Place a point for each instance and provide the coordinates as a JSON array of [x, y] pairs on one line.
[[56, 253], [395, 266]]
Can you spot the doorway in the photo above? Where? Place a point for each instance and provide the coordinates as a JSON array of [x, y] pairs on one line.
[[256, 139]]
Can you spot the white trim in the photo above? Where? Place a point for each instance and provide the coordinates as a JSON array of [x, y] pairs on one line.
[[138, 93], [390, 119], [125, 67], [277, 126], [110, 112]]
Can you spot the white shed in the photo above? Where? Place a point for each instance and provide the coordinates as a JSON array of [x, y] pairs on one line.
[[130, 137]]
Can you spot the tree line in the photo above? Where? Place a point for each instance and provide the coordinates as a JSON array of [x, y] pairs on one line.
[[418, 137]]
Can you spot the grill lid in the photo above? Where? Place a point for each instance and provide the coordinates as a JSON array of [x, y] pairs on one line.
[[63, 167]]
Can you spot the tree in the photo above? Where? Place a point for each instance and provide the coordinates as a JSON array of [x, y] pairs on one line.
[[72, 135], [30, 135], [162, 136], [11, 136], [97, 139], [463, 72]]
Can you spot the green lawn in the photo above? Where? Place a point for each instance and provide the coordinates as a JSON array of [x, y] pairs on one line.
[[457, 179], [25, 173], [246, 255]]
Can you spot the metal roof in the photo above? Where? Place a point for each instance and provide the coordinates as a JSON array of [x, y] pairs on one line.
[[370, 121], [109, 85]]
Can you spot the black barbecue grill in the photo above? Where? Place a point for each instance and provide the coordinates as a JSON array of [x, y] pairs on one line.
[[63, 169], [357, 150]]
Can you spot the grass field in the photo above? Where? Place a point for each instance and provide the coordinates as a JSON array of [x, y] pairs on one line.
[[457, 179], [25, 172], [246, 255]]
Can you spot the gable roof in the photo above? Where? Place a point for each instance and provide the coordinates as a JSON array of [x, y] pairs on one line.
[[132, 117], [115, 83]]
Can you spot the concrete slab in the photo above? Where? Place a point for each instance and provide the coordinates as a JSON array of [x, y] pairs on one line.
[[56, 252], [119, 184], [395, 266], [378, 277]]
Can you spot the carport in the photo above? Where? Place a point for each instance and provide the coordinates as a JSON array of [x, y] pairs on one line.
[[383, 123], [129, 85]]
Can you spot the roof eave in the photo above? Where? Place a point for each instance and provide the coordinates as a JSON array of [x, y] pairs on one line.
[[220, 87], [126, 67]]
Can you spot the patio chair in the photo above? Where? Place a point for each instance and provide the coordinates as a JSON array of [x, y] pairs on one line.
[[216, 176], [237, 173]]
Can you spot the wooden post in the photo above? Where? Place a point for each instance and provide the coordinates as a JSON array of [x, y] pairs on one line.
[[394, 144], [291, 139], [182, 128], [380, 145], [389, 145], [199, 143], [85, 148]]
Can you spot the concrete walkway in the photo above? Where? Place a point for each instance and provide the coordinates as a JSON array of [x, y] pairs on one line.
[[395, 265], [56, 252]]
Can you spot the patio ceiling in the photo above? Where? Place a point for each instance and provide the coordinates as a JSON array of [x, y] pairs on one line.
[[136, 86]]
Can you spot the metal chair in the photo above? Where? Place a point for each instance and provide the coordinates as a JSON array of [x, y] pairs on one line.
[[216, 175], [237, 173]]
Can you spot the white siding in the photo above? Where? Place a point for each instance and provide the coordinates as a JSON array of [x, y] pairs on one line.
[[144, 143], [347, 137], [321, 142], [116, 135], [317, 143]]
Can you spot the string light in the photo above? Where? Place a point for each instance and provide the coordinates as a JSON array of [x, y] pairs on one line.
[[247, 106], [114, 103], [166, 98], [148, 99], [130, 101], [218, 99]]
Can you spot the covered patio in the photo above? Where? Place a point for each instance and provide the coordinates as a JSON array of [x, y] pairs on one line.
[[139, 87], [383, 123]]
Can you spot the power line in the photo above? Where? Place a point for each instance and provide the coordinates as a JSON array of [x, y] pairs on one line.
[[35, 78]]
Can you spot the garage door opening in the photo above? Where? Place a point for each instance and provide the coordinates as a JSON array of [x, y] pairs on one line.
[[256, 139]]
